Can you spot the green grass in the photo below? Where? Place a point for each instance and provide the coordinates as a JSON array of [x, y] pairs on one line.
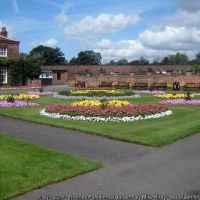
[[25, 166], [153, 132]]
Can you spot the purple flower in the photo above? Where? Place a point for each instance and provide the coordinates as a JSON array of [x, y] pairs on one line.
[[181, 102], [152, 92], [17, 103], [45, 93]]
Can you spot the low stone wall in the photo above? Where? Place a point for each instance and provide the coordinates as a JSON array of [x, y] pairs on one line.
[[92, 80]]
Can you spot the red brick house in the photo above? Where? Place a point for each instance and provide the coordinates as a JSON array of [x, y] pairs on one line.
[[8, 49]]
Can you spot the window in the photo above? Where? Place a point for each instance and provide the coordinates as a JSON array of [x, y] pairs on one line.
[[3, 52], [3, 75], [58, 76], [46, 74]]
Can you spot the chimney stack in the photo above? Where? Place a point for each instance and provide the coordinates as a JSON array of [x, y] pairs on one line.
[[4, 32]]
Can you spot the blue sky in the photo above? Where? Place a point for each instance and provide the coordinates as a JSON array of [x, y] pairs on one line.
[[118, 29]]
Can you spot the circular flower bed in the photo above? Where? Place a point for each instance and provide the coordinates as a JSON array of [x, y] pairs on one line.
[[96, 94], [181, 102], [95, 97], [17, 103], [171, 96], [19, 96], [116, 111]]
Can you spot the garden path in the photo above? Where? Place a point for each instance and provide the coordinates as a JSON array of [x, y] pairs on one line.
[[128, 168]]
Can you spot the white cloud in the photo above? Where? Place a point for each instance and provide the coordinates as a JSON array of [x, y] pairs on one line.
[[129, 49], [179, 32], [15, 6], [61, 18], [50, 42], [188, 5], [102, 24], [171, 38], [183, 18]]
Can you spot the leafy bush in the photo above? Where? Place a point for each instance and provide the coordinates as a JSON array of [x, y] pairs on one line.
[[99, 93], [21, 69]]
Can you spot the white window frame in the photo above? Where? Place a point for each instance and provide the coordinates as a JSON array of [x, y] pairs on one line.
[[3, 74], [3, 52], [46, 74]]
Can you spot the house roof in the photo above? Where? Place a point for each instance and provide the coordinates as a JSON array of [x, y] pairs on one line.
[[7, 40]]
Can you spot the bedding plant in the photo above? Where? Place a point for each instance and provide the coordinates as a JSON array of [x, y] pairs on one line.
[[96, 92], [105, 111]]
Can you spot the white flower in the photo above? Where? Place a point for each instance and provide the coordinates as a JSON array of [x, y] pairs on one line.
[[105, 119], [56, 95]]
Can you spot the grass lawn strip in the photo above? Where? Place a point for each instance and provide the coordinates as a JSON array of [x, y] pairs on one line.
[[25, 166], [185, 121]]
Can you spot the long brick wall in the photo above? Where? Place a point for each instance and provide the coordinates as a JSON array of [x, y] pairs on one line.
[[92, 80], [135, 73]]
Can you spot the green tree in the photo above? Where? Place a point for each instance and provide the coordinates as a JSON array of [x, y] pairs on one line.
[[141, 61], [122, 61], [196, 61], [87, 58], [165, 61], [196, 69], [74, 61], [21, 69], [49, 55], [32, 67], [15, 72], [176, 59], [112, 62]]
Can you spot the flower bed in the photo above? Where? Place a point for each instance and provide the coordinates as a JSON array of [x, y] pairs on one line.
[[100, 103], [126, 110], [171, 96], [45, 93], [105, 119], [55, 95], [196, 94], [151, 92], [112, 111], [8, 87], [19, 96], [99, 93], [181, 102], [17, 103]]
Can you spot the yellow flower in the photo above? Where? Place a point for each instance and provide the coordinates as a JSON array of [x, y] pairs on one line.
[[19, 96], [79, 92], [99, 103], [171, 96]]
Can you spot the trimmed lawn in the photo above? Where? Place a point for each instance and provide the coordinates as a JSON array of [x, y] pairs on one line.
[[25, 166], [153, 132]]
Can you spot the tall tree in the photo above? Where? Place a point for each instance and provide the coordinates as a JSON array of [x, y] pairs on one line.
[[89, 58], [197, 59], [176, 59], [112, 62], [74, 61], [165, 61], [141, 61], [86, 58], [122, 61], [49, 55]]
